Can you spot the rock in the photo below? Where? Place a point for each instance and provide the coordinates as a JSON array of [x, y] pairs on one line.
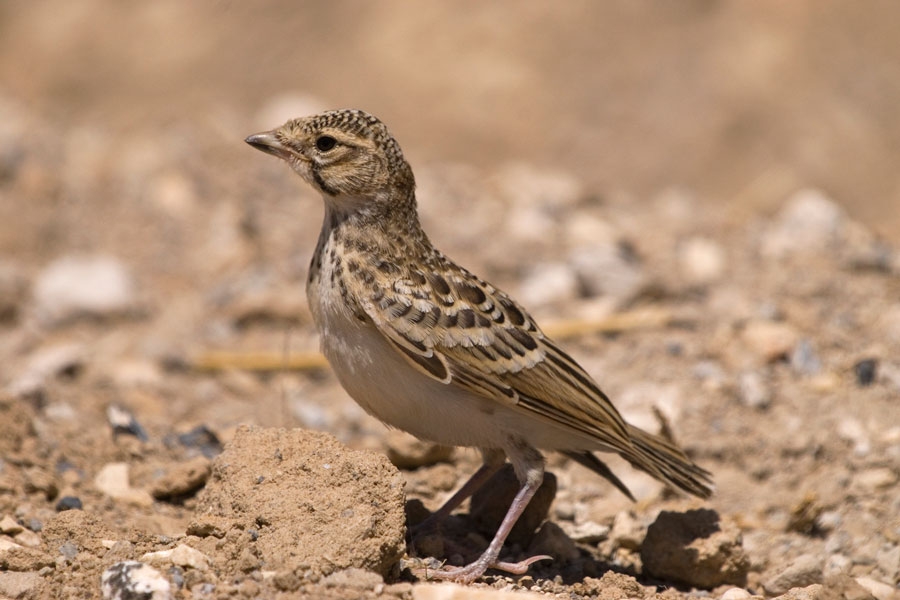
[[491, 502], [609, 268], [878, 589], [805, 570], [407, 452], [769, 340], [809, 224], [28, 539], [613, 586], [865, 371], [876, 478], [10, 526], [46, 363], [123, 422], [181, 555], [735, 594], [627, 532], [548, 283], [130, 580], [21, 585], [811, 592], [804, 359], [888, 560], [551, 540], [315, 505], [453, 591], [701, 260], [182, 480], [68, 503], [203, 439], [696, 548], [753, 390], [588, 532], [353, 578], [75, 286], [14, 557], [112, 480]]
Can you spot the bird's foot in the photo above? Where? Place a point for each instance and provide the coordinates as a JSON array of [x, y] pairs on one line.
[[474, 570]]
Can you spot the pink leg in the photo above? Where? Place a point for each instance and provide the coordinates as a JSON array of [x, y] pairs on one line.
[[529, 465]]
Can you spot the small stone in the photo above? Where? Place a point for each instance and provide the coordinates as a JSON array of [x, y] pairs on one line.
[[453, 591], [876, 478], [10, 526], [182, 480], [588, 532], [609, 268], [810, 592], [753, 390], [27, 538], [548, 283], [123, 422], [202, 438], [769, 340], [551, 540], [865, 371], [45, 364], [353, 577], [804, 359], [74, 286], [627, 532], [112, 480], [129, 580], [697, 548], [701, 260], [735, 594], [490, 504], [836, 564], [805, 570], [68, 503], [809, 223], [182, 556], [879, 589], [209, 525], [407, 452]]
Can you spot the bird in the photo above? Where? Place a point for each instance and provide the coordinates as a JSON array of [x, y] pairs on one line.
[[430, 348]]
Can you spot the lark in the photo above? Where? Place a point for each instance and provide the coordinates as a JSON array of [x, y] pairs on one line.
[[430, 348]]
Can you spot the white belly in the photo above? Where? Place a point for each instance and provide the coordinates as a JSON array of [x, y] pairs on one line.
[[385, 385]]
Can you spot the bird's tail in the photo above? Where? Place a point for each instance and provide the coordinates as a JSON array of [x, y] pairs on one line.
[[662, 459]]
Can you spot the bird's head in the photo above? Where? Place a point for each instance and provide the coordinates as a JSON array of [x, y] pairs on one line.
[[347, 155]]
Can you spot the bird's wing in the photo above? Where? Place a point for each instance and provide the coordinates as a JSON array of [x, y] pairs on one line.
[[462, 331]]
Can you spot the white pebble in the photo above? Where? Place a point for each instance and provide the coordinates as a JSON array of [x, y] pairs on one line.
[[74, 286]]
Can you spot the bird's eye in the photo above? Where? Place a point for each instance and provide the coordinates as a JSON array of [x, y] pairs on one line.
[[325, 143]]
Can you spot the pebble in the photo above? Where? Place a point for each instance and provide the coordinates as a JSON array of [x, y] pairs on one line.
[[696, 547], [548, 283], [627, 532], [10, 526], [68, 503], [769, 340], [805, 570], [810, 592], [879, 589], [804, 359], [181, 555], [46, 363], [131, 579], [701, 260], [27, 538], [753, 390], [809, 223], [75, 286], [588, 532], [202, 438], [876, 478], [112, 480], [735, 594], [453, 591], [865, 371], [609, 269], [123, 422]]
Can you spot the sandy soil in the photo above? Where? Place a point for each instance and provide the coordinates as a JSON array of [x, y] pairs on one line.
[[700, 201]]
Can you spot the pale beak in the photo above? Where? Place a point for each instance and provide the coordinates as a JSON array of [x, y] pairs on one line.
[[267, 142]]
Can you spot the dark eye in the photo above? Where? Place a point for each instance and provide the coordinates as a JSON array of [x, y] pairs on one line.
[[325, 143]]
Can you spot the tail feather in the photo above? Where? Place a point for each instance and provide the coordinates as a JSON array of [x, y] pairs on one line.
[[590, 461], [663, 460]]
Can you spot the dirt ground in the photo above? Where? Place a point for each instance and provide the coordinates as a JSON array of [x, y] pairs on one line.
[[699, 200]]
